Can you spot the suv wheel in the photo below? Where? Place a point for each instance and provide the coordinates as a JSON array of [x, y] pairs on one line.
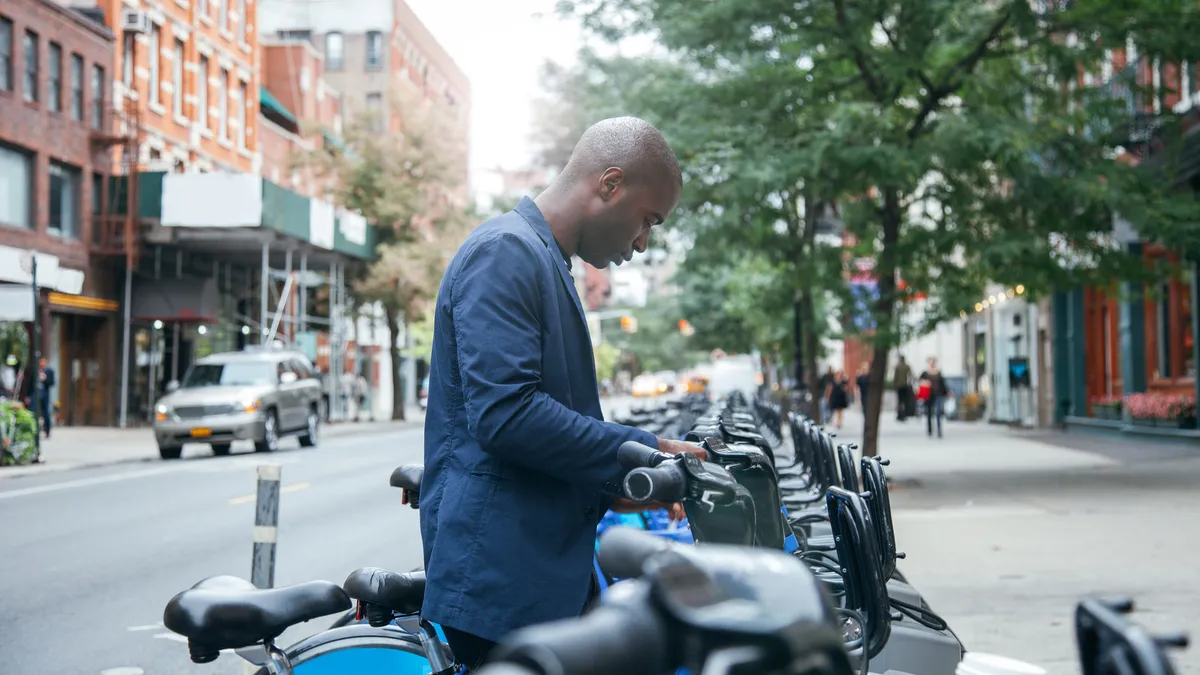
[[220, 449], [270, 441], [167, 452], [309, 438]]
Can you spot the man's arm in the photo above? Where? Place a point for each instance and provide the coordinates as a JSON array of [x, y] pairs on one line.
[[496, 305]]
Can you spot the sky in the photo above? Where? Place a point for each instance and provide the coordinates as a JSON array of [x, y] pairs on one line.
[[500, 45]]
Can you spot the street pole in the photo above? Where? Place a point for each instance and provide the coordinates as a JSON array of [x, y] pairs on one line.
[[36, 385], [266, 526], [125, 348]]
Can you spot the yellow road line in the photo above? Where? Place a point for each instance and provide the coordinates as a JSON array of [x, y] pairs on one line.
[[249, 499]]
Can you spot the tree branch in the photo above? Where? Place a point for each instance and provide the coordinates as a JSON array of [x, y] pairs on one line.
[[952, 80], [860, 58]]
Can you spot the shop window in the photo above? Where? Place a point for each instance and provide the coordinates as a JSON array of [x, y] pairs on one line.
[[1170, 332]]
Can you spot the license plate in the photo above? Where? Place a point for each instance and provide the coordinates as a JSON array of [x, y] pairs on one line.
[[201, 432]]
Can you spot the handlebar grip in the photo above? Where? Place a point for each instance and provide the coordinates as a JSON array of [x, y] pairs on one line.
[[626, 639], [664, 483], [632, 455], [505, 669], [624, 551]]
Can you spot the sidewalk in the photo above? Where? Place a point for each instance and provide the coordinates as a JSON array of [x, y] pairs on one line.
[[78, 447]]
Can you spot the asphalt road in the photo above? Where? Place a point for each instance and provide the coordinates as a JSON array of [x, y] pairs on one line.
[[91, 556]]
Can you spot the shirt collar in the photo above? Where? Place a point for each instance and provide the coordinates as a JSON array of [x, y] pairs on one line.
[[533, 215]]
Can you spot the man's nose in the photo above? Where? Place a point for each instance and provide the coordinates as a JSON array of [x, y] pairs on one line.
[[642, 242]]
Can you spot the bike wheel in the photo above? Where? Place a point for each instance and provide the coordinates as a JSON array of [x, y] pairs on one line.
[[360, 650]]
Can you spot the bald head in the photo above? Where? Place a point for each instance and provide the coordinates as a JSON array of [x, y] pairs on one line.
[[628, 143]]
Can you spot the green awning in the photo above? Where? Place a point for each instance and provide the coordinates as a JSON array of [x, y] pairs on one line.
[[268, 101]]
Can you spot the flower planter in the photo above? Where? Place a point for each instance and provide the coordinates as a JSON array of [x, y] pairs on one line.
[[1139, 422], [1107, 413]]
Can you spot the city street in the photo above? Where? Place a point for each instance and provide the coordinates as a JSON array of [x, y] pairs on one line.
[[1004, 532]]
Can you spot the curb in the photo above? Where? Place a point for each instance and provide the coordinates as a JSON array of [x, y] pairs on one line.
[[20, 471]]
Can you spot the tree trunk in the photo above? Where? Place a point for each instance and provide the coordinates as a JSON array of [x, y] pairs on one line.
[[394, 319], [884, 315]]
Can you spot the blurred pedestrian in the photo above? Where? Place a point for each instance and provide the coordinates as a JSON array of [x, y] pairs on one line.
[[8, 377], [45, 382], [838, 396], [863, 382], [902, 381], [933, 392]]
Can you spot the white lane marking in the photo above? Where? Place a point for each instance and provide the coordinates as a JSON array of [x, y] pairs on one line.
[[199, 466], [123, 670], [152, 626], [170, 636]]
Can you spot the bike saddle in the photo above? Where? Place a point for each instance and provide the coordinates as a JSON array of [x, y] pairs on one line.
[[226, 612], [391, 592], [408, 478]]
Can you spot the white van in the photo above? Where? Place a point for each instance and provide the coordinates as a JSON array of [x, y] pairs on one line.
[[740, 373]]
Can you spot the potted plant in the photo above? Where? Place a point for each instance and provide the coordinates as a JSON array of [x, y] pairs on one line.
[[971, 407], [1107, 408]]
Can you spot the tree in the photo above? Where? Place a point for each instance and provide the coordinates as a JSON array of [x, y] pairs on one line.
[[944, 130], [404, 173]]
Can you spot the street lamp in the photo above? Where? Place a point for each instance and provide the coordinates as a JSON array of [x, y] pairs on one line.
[[29, 266]]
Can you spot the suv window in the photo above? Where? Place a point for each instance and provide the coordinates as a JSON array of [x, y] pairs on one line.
[[301, 369], [231, 374]]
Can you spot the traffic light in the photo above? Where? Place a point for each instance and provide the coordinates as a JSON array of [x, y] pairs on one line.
[[685, 328], [629, 324]]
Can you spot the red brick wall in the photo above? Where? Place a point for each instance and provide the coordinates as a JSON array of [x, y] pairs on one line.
[[33, 128]]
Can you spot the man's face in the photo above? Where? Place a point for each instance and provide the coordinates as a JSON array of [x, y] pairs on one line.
[[624, 215], [42, 362], [932, 364]]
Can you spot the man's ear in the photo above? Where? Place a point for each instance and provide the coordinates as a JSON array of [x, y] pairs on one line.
[[610, 182]]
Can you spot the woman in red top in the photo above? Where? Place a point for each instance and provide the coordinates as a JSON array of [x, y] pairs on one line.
[[931, 391]]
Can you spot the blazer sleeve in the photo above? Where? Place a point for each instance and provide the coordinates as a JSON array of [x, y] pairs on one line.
[[496, 308]]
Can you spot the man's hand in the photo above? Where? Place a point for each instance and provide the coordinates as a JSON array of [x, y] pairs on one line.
[[673, 447], [622, 505]]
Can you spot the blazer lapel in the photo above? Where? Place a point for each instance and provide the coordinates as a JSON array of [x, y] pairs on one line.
[[533, 215]]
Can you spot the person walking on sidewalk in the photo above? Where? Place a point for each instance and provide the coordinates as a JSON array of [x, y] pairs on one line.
[[902, 381], [823, 384], [933, 392], [45, 382], [838, 396], [519, 464]]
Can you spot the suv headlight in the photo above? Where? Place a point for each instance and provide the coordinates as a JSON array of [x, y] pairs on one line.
[[251, 405], [162, 412]]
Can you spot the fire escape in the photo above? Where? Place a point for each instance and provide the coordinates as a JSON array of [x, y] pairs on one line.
[[116, 224]]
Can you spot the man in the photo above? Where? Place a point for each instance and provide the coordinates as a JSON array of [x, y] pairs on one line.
[[902, 381], [45, 383], [936, 400], [823, 384], [519, 467]]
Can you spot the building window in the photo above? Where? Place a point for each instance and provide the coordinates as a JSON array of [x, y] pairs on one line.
[[55, 102], [202, 93], [223, 106], [295, 35], [177, 80], [127, 48], [31, 66], [16, 187], [375, 111], [374, 50], [1169, 334], [241, 9], [243, 101], [155, 60], [335, 48], [97, 97], [64, 200], [77, 87], [6, 54], [223, 14]]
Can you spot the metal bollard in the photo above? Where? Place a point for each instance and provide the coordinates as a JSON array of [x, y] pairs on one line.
[[266, 523]]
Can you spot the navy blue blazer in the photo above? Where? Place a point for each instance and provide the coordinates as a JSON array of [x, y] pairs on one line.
[[519, 464]]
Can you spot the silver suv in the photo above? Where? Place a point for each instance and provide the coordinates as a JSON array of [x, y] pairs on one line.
[[257, 396]]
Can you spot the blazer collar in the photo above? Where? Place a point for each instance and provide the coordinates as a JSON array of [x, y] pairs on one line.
[[528, 210]]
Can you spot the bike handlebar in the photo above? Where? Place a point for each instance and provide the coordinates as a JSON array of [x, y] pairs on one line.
[[627, 637], [623, 551], [633, 455], [665, 483]]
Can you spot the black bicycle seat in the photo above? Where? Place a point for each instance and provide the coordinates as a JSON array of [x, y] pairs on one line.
[[393, 591], [408, 477], [226, 612]]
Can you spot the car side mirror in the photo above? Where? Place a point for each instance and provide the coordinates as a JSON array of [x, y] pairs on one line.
[[287, 378], [172, 386]]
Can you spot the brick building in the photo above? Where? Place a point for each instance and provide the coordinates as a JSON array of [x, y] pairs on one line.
[[55, 65], [193, 68]]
